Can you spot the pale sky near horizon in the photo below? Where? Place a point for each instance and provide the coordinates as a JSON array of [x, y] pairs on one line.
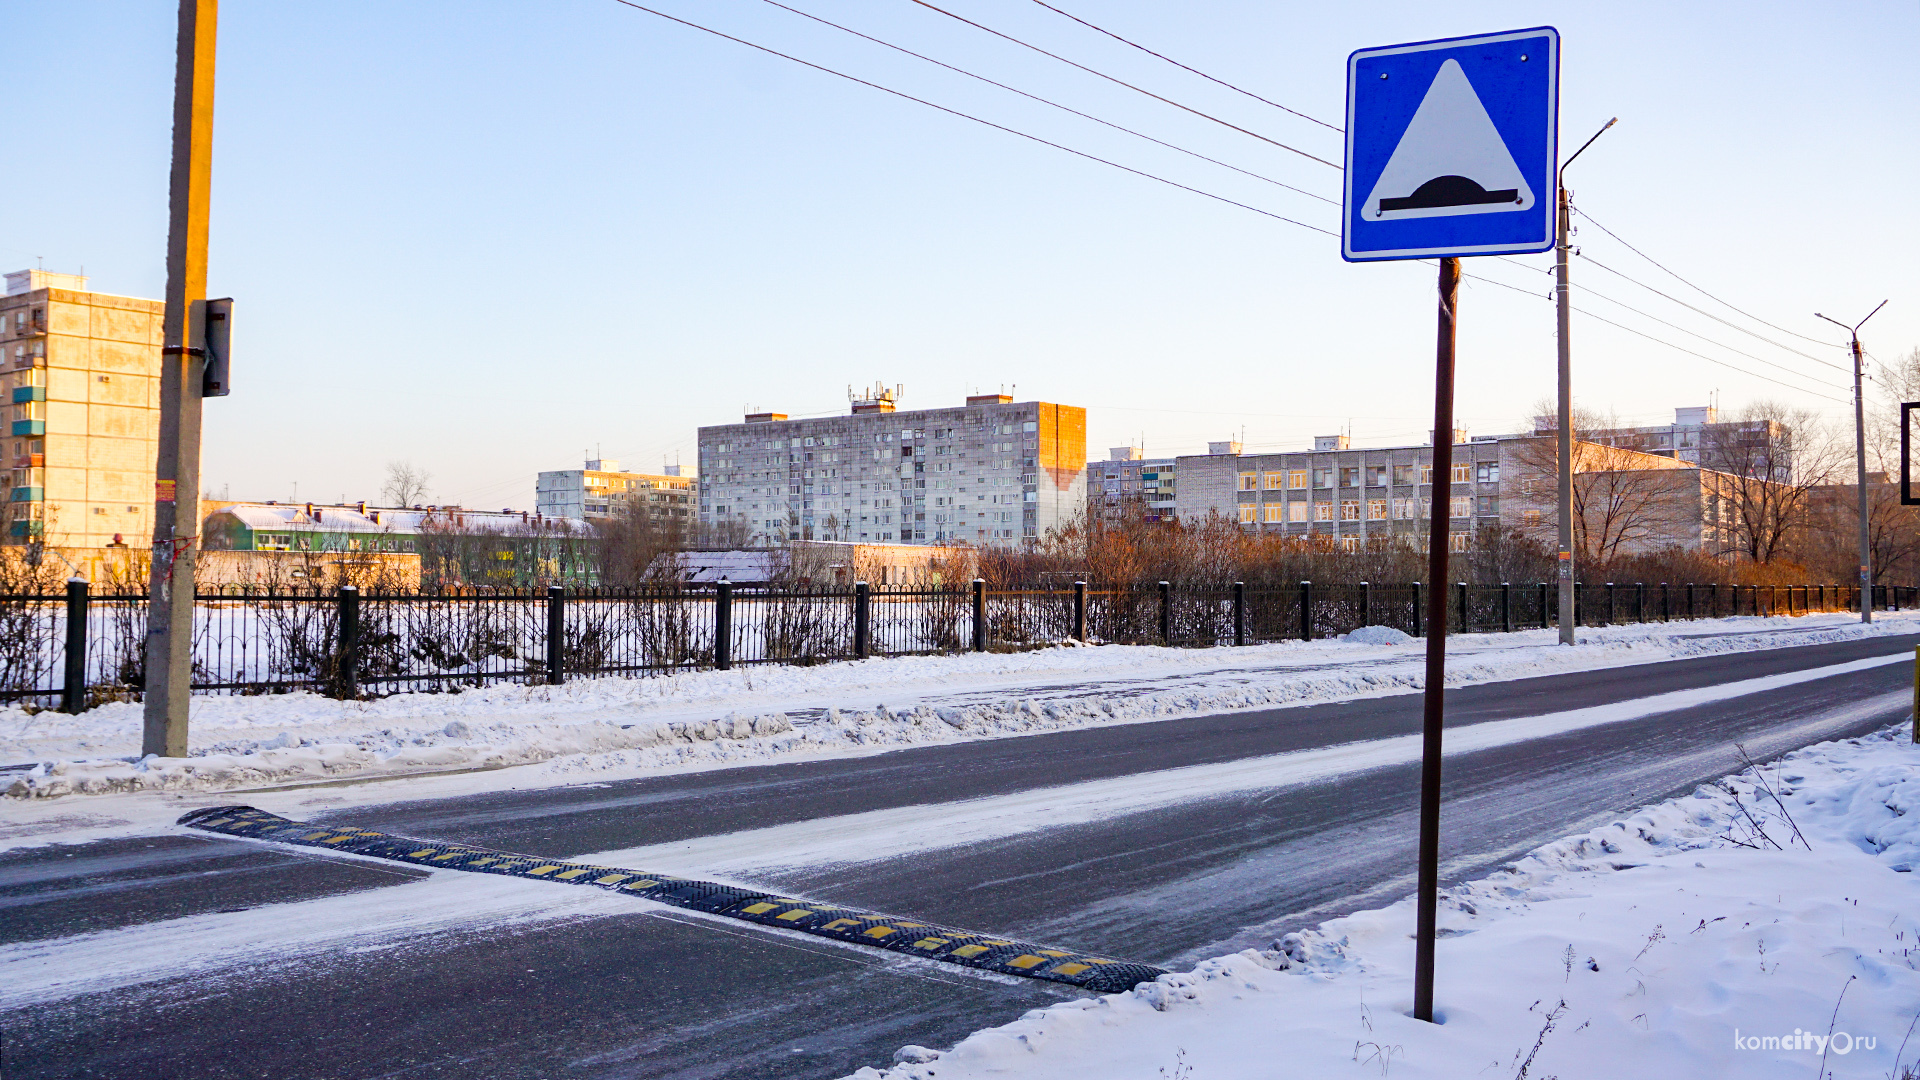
[[488, 238]]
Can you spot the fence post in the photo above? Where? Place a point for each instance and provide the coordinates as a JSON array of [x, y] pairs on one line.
[[979, 615], [1417, 609], [556, 635], [1461, 588], [73, 692], [1080, 611], [1306, 611], [346, 669], [1366, 604], [1166, 613], [1239, 613], [1640, 602], [1823, 598], [1546, 616], [862, 628], [1506, 607], [1608, 621], [1666, 603], [723, 626]]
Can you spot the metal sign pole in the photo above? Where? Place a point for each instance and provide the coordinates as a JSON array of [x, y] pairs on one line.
[[1439, 527]]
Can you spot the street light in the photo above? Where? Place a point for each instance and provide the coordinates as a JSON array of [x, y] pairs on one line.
[[1561, 292], [1860, 455]]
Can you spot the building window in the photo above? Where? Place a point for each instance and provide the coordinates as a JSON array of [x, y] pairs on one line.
[[1350, 510], [1297, 511], [1350, 476], [1526, 487], [1246, 513], [1489, 505], [1350, 544], [1323, 511], [1426, 474], [1376, 509], [1460, 506], [1323, 478], [1531, 518], [1272, 511], [1403, 509], [1463, 473], [1487, 472], [1247, 481], [1457, 541], [1297, 478], [1403, 474], [1376, 476], [1274, 480]]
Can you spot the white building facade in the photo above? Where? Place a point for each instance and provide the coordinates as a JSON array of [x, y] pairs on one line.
[[991, 471]]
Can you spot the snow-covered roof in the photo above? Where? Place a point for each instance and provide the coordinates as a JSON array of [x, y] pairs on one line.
[[304, 517]]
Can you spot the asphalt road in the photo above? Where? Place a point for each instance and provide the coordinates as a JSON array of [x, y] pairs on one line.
[[651, 993]]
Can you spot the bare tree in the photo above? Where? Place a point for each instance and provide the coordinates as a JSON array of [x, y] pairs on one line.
[[1773, 457], [634, 540], [1623, 500], [406, 484]]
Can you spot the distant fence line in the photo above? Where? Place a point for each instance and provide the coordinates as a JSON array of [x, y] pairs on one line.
[[78, 650]]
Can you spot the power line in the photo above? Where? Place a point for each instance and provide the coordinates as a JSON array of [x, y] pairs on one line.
[[1660, 341], [1708, 314], [1691, 285], [1184, 67], [1055, 104], [1709, 359], [1684, 330], [1128, 85], [1218, 198], [975, 119]]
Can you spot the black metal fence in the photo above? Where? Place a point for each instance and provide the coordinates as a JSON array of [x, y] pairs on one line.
[[78, 650]]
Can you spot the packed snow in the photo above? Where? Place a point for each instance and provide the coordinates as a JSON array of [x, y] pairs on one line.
[[1648, 947], [609, 727]]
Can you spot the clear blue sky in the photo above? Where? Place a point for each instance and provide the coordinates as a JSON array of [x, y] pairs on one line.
[[488, 236]]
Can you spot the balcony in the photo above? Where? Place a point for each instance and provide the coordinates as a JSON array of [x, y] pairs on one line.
[[29, 427], [30, 461], [29, 393], [29, 494]]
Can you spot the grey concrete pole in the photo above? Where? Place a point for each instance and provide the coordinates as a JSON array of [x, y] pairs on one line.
[[176, 496], [1564, 458]]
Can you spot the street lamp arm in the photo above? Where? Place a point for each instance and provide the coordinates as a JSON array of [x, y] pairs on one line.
[[1589, 142]]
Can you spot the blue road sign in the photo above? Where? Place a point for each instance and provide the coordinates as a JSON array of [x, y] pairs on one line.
[[1452, 147]]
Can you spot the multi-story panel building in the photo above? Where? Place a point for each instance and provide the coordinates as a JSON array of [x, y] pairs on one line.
[[602, 491], [81, 371], [1350, 495], [992, 471], [1130, 483], [1757, 448], [1625, 501]]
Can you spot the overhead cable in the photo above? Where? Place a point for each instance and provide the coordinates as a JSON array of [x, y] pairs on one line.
[[1697, 288], [1733, 326], [1054, 104], [1184, 67], [1128, 85], [969, 116]]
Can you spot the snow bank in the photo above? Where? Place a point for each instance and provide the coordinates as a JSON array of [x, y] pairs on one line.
[[617, 726], [1644, 948]]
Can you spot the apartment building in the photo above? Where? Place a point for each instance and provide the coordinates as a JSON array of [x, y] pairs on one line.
[[990, 471], [601, 490], [1130, 483], [81, 371], [1625, 500], [1758, 448]]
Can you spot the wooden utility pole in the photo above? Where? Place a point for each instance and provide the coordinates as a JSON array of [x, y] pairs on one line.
[[176, 494]]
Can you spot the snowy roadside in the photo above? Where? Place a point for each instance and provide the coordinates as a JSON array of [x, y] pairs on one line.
[[608, 727], [1644, 948]]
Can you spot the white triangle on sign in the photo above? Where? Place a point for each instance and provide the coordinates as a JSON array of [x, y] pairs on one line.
[[1450, 161]]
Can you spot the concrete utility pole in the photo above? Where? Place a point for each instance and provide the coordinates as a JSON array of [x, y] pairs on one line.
[[1860, 460], [176, 494], [1561, 293]]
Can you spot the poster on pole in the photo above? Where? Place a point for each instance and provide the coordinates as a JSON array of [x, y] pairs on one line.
[[1452, 147]]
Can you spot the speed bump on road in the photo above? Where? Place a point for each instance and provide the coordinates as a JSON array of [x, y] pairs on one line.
[[913, 937]]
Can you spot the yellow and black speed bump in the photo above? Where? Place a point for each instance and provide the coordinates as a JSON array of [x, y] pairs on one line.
[[910, 936]]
